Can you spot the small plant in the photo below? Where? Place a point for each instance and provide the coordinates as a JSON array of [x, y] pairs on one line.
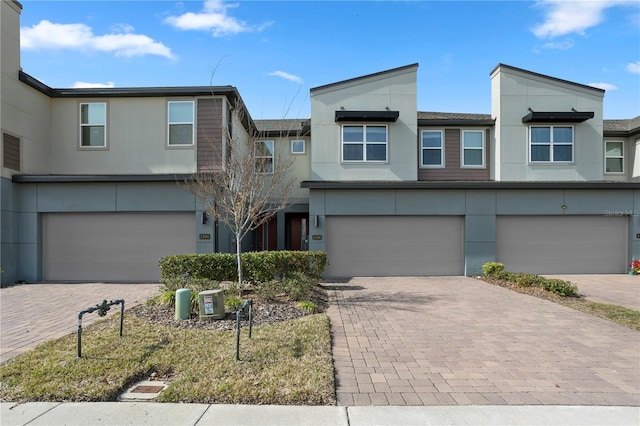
[[491, 269], [232, 303], [307, 305], [634, 266]]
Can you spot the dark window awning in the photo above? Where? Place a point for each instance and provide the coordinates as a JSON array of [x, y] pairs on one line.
[[367, 116], [557, 117]]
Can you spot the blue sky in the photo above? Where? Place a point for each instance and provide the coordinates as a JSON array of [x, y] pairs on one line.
[[274, 52]]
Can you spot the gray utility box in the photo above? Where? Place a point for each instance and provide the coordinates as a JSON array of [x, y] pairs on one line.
[[211, 304]]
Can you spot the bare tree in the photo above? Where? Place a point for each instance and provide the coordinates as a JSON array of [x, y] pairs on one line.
[[251, 185]]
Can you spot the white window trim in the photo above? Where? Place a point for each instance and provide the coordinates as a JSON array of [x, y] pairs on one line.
[[552, 144], [272, 157], [88, 147], [462, 149], [304, 147], [432, 166], [365, 143], [193, 125], [620, 157]]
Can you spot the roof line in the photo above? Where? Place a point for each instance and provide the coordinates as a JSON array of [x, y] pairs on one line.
[[362, 77], [510, 67]]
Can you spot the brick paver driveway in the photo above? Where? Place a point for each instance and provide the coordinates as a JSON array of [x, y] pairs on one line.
[[457, 341]]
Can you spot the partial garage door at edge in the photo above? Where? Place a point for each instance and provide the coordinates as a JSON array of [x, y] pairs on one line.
[[562, 244], [113, 246], [394, 245]]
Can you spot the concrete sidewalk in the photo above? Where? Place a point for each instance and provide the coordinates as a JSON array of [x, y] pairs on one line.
[[120, 413]]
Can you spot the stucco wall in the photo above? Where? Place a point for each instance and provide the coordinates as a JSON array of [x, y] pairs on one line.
[[393, 90], [513, 93]]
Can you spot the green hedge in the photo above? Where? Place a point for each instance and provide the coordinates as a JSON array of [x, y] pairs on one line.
[[256, 266], [557, 286]]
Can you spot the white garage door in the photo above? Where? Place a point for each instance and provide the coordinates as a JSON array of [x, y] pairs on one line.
[[562, 244], [113, 246], [394, 245]]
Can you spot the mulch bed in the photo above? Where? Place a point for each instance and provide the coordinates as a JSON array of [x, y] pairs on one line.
[[264, 312]]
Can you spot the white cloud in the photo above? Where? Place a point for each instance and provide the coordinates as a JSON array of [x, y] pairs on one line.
[[634, 67], [558, 45], [48, 35], [287, 76], [214, 17], [603, 86], [85, 85], [566, 17]]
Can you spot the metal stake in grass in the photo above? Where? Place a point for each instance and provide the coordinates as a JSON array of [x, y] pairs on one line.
[[247, 303], [102, 309]]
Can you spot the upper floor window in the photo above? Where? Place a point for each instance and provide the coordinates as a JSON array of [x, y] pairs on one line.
[[472, 148], [551, 144], [264, 157], [613, 157], [297, 146], [93, 125], [432, 148], [181, 123], [364, 143]]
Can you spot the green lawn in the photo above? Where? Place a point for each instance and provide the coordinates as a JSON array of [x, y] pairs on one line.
[[283, 363]]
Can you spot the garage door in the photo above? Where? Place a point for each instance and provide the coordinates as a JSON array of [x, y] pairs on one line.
[[562, 244], [112, 246], [394, 245]]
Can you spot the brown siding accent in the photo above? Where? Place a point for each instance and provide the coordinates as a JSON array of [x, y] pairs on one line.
[[452, 169], [209, 136], [11, 151]]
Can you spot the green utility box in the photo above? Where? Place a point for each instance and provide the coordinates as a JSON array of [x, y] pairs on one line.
[[211, 304]]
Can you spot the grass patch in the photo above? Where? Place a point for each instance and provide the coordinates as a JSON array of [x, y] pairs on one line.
[[284, 363], [618, 314]]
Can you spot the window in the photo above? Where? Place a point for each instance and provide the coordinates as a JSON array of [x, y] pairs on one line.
[[551, 144], [432, 149], [365, 143], [93, 125], [264, 156], [472, 148], [297, 146], [613, 157], [181, 123]]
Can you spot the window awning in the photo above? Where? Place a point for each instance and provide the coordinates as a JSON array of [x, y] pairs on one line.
[[367, 116], [557, 117]]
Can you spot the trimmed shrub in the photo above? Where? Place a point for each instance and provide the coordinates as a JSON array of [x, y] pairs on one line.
[[491, 269], [561, 287], [522, 279], [257, 266]]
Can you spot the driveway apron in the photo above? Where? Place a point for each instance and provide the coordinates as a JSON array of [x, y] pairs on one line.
[[35, 313], [460, 341]]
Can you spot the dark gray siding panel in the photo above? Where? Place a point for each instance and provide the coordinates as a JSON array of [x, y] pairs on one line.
[[210, 134]]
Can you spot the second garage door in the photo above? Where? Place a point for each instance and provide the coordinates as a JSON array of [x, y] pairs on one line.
[[394, 245], [113, 246], [562, 244]]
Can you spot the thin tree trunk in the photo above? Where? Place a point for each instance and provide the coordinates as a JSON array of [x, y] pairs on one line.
[[239, 262]]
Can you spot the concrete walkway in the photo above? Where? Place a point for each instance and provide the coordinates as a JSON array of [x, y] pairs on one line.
[[120, 413], [460, 341], [35, 313], [614, 289]]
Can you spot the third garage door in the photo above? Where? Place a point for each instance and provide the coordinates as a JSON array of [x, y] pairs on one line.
[[562, 244], [394, 245]]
